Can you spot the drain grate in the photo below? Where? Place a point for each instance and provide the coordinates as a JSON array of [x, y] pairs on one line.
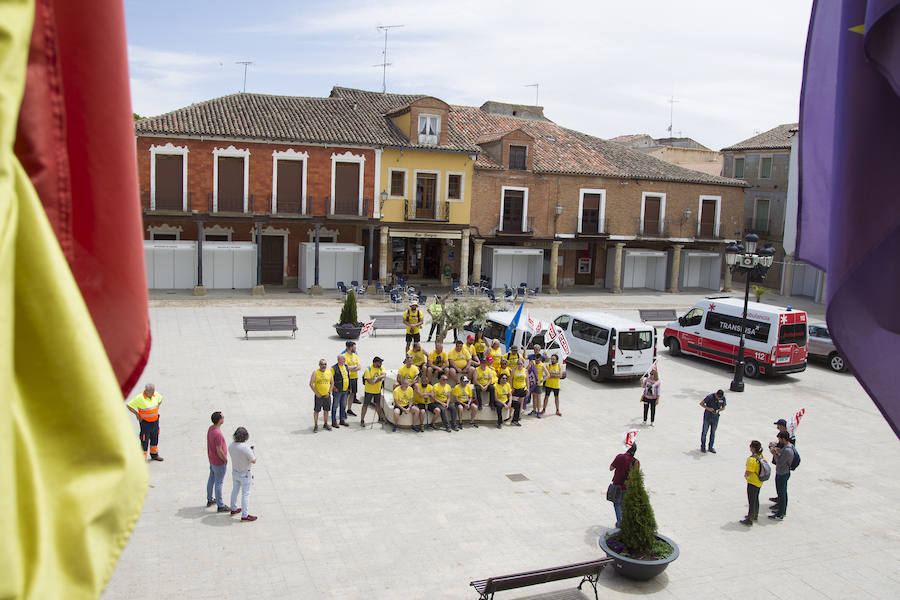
[[516, 477]]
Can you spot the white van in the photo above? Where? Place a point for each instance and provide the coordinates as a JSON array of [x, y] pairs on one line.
[[774, 341], [607, 346]]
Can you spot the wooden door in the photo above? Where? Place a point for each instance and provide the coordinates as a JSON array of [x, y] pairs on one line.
[[708, 219], [346, 188], [169, 182], [513, 206], [652, 205], [290, 186], [272, 260], [426, 187], [231, 184]]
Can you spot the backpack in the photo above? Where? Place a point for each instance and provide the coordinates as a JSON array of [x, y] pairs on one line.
[[795, 462], [765, 470]]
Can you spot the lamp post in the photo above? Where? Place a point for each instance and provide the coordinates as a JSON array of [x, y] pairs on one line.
[[745, 258]]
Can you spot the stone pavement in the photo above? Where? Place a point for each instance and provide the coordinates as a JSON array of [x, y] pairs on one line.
[[364, 513]]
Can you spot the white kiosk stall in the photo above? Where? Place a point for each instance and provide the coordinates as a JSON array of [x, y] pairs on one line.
[[170, 265], [229, 265], [337, 262], [641, 268], [512, 265], [700, 269]]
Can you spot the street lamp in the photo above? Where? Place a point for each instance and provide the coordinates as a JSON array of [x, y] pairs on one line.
[[745, 258]]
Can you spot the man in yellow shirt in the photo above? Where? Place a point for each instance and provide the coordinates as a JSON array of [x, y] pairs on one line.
[[408, 371], [412, 318], [464, 399], [418, 355], [503, 395], [373, 383], [353, 368], [504, 370], [473, 352], [554, 374], [403, 397], [460, 362], [321, 382], [341, 378], [145, 407], [440, 404], [519, 390], [438, 362], [495, 354], [536, 360], [484, 382], [423, 395]]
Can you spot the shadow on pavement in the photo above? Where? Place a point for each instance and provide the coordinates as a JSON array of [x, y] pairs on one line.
[[194, 512]]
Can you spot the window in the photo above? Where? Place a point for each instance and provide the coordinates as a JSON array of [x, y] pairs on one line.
[[793, 334], [289, 186], [429, 130], [562, 321], [739, 168], [761, 216], [765, 167], [708, 221], [590, 213], [398, 184], [164, 236], [426, 195], [653, 207], [230, 178], [517, 157], [215, 237], [754, 330], [454, 187], [169, 182], [635, 340], [514, 206], [693, 317], [590, 333], [347, 184]]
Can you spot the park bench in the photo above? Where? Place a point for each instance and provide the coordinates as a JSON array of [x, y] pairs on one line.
[[588, 571], [394, 321], [280, 323], [657, 314]]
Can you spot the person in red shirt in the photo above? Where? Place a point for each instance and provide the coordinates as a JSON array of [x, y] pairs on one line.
[[621, 464], [217, 451]]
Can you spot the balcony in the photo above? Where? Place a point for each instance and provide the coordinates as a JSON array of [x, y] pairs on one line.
[[513, 226], [594, 228], [766, 228], [166, 205], [434, 214], [652, 228]]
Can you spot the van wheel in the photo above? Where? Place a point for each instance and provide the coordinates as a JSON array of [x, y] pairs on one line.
[[674, 347], [594, 371], [751, 369], [836, 362]]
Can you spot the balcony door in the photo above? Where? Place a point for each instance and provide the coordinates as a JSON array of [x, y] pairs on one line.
[[231, 184], [652, 216], [513, 210], [346, 188], [708, 219], [426, 195], [170, 182]]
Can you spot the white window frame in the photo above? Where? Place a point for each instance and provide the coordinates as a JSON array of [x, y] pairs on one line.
[[419, 136], [462, 187], [437, 189], [324, 232], [165, 229], [391, 171], [503, 190], [771, 167], [230, 152], [602, 194], [734, 167], [169, 149], [349, 157], [718, 200], [662, 209], [218, 230], [289, 154]]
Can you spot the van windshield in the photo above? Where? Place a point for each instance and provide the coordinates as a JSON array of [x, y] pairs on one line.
[[792, 334], [635, 340]]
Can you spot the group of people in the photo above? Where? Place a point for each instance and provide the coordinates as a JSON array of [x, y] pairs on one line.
[[242, 459]]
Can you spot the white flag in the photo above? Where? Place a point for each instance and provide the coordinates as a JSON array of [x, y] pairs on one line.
[[366, 330], [628, 438]]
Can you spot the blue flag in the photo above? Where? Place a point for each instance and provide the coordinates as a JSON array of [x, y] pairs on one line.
[[513, 325]]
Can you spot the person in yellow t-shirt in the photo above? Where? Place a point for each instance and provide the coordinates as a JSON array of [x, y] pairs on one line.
[[484, 382], [495, 354], [473, 353], [519, 390], [440, 404], [423, 395], [438, 362], [555, 373], [504, 369], [460, 362], [408, 371], [480, 346], [353, 368], [373, 383], [418, 355], [751, 475], [503, 397], [464, 399], [413, 319], [403, 398], [536, 360], [321, 382]]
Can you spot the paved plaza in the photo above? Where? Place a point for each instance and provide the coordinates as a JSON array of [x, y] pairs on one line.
[[366, 513]]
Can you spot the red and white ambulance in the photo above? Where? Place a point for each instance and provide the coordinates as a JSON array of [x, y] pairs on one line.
[[774, 337]]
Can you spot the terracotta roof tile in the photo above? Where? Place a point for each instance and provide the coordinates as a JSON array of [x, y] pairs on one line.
[[777, 138]]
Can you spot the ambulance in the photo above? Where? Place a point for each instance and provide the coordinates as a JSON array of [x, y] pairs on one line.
[[774, 337]]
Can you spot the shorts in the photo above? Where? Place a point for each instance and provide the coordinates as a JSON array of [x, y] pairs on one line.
[[412, 337], [433, 406], [372, 399], [468, 405], [523, 393], [353, 383], [420, 406], [555, 391], [321, 403], [538, 389], [401, 408]]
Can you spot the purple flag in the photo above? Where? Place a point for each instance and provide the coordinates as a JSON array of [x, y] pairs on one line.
[[849, 213]]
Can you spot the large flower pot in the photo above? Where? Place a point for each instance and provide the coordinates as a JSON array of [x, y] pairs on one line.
[[639, 570], [348, 333]]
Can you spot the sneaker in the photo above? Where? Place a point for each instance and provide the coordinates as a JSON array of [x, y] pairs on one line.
[[357, 401], [777, 517], [157, 457], [447, 429], [315, 429], [234, 512], [351, 413], [414, 428], [558, 414], [473, 424], [775, 499], [499, 426], [517, 423], [223, 509], [327, 427], [643, 422], [210, 503], [538, 415], [362, 423], [702, 449], [747, 521], [532, 413], [249, 518], [651, 424], [713, 450], [395, 428]]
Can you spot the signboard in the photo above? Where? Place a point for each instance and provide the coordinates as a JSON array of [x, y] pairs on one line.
[[584, 265], [366, 330], [563, 343]]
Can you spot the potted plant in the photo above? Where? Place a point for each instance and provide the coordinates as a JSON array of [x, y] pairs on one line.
[[348, 327], [640, 552]]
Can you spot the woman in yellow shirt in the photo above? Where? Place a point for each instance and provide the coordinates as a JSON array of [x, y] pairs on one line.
[[554, 374], [403, 397], [503, 398], [464, 399], [751, 475], [480, 345], [536, 360], [423, 396], [495, 353], [519, 390]]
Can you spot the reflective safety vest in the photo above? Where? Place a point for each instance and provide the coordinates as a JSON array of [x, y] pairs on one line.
[[148, 408]]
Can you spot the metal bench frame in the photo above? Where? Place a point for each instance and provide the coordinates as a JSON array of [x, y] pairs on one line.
[[589, 572], [271, 323]]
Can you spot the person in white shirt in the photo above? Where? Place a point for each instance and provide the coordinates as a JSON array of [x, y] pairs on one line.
[[242, 457]]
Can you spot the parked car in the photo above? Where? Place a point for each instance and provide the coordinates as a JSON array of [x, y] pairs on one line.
[[821, 345]]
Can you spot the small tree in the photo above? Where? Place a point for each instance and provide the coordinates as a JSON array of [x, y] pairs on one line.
[[348, 312], [638, 526], [454, 315], [759, 291]]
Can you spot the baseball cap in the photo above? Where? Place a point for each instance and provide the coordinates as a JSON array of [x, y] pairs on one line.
[[471, 337], [377, 359], [464, 379], [489, 359], [781, 422]]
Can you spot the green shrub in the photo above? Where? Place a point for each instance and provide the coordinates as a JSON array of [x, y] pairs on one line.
[[638, 527], [759, 291], [348, 312]]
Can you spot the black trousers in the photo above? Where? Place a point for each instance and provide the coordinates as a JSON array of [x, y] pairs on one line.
[[516, 406], [150, 436], [490, 390], [651, 404], [752, 501]]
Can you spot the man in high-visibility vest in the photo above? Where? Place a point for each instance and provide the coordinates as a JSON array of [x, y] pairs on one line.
[[145, 407]]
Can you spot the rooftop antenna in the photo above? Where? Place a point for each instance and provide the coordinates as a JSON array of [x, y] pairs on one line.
[[246, 64], [385, 64], [537, 90], [671, 102]]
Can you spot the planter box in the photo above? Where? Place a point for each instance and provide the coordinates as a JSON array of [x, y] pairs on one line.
[[639, 570], [348, 333]]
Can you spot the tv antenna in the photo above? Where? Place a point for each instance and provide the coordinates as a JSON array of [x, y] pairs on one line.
[[246, 64], [671, 102], [385, 64], [537, 90]]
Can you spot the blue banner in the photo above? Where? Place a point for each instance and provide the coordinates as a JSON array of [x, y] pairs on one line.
[[513, 325]]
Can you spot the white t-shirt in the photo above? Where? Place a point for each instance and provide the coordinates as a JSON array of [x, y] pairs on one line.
[[241, 456]]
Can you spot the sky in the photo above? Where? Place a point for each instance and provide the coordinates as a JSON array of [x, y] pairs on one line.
[[604, 67]]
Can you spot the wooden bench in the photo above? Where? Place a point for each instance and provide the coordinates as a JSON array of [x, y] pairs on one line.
[[394, 321], [588, 571], [657, 314], [282, 323]]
